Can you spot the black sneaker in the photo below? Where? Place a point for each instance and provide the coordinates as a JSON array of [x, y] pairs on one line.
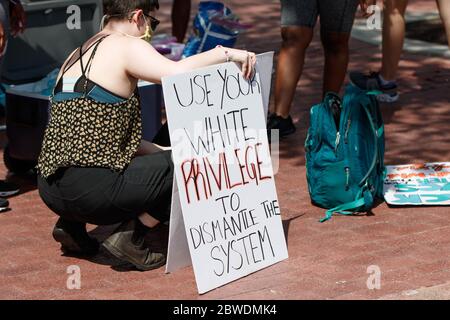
[[8, 189], [74, 238], [4, 205], [372, 81], [284, 125]]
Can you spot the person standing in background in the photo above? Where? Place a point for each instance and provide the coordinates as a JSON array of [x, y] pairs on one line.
[[298, 18], [12, 22], [181, 13], [444, 10], [393, 37]]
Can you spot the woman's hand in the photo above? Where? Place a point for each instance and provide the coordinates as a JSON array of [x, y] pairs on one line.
[[247, 60], [18, 18]]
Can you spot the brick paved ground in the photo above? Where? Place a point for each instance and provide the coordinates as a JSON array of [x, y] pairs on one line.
[[327, 261]]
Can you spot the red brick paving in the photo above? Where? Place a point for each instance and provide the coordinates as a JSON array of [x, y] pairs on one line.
[[327, 261]]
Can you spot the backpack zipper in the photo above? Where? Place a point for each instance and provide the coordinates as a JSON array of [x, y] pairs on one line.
[[338, 139], [347, 129], [347, 176]]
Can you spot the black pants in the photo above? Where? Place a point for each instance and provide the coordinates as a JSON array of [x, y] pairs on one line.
[[101, 196]]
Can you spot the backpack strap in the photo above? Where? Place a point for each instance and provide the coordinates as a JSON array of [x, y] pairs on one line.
[[375, 154], [364, 199], [374, 92], [344, 209]]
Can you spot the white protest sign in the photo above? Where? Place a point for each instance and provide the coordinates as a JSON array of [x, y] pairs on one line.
[[224, 174], [178, 249], [264, 66], [423, 184]]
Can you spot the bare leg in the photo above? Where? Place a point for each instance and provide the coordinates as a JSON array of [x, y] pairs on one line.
[[148, 221], [290, 66], [444, 10], [181, 13], [336, 49], [393, 36]]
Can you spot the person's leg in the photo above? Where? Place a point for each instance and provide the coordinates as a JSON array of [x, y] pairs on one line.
[[295, 41], [335, 45], [7, 189], [393, 37], [444, 10], [336, 22], [145, 186], [298, 18], [148, 221], [162, 138], [4, 21], [69, 231], [181, 13]]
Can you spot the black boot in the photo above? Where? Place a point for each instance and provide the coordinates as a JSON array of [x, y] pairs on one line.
[[74, 238], [127, 243]]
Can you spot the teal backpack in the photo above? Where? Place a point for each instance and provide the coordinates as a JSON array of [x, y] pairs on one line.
[[345, 164]]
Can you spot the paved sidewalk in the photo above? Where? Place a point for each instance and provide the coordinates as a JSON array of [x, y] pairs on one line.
[[327, 261]]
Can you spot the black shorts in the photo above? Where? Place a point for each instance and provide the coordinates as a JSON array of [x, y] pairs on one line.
[[335, 15], [102, 196]]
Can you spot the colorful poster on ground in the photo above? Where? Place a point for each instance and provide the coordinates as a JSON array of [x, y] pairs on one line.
[[224, 174], [421, 184]]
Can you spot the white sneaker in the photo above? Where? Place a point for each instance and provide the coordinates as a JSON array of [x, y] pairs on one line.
[[388, 97]]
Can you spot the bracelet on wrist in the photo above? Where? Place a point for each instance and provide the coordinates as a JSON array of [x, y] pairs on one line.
[[227, 54]]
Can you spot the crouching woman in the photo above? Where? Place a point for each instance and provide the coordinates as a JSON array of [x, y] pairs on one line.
[[94, 166]]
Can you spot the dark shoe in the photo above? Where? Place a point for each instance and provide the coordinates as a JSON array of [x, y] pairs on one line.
[[8, 189], [388, 97], [127, 244], [4, 205], [373, 81], [74, 238], [284, 125]]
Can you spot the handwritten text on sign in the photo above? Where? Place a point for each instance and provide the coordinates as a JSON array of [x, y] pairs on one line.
[[224, 173], [421, 184]]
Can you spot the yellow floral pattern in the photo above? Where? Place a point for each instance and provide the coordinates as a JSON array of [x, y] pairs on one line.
[[87, 133]]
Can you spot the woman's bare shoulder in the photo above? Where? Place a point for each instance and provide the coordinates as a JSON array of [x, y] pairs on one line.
[[118, 44], [128, 42]]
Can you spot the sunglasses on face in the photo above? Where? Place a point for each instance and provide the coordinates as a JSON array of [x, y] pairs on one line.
[[153, 21]]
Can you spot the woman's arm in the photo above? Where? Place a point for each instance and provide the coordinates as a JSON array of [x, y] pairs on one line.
[[144, 62]]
